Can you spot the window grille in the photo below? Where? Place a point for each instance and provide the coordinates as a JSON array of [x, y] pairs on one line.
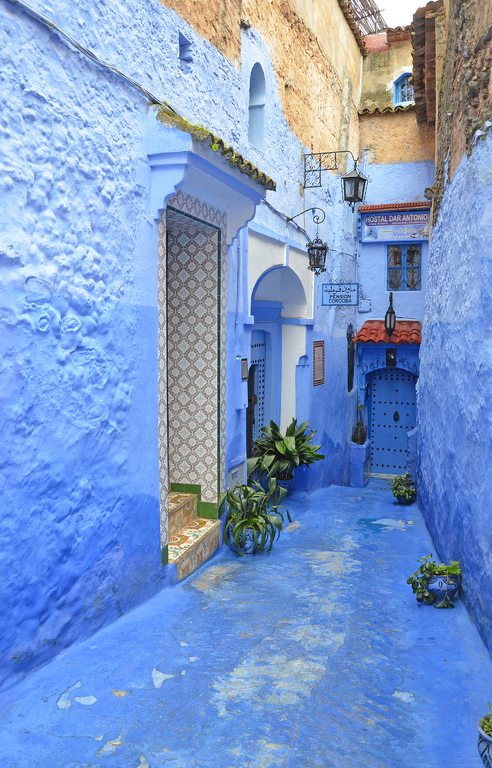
[[404, 267], [403, 90]]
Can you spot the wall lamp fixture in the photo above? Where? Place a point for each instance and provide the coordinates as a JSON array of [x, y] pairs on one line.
[[354, 184], [390, 318], [316, 248]]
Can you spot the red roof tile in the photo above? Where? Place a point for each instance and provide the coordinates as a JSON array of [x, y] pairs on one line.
[[387, 110], [394, 206], [406, 332]]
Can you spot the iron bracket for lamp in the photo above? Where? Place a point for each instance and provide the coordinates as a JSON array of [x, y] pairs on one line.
[[318, 161], [316, 218]]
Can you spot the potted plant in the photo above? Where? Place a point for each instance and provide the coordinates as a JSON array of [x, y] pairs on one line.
[[485, 738], [433, 581], [403, 488], [255, 516], [359, 432], [277, 455]]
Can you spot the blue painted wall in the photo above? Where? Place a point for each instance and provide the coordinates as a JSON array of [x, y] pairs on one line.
[[398, 182], [455, 389], [393, 183], [79, 531]]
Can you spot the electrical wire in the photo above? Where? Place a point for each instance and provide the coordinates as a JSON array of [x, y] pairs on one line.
[[50, 24]]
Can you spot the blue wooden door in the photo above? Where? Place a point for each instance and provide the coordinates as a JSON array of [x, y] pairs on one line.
[[257, 404], [392, 415]]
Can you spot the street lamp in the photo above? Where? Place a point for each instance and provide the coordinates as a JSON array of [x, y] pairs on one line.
[[354, 187], [390, 318], [353, 184], [316, 248]]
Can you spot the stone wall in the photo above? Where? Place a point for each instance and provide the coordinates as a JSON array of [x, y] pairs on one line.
[[465, 96]]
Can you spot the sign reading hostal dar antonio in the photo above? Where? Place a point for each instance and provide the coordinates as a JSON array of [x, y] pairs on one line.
[[390, 226]]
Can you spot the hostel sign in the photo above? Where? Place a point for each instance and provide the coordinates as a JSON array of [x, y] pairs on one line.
[[340, 294], [391, 226]]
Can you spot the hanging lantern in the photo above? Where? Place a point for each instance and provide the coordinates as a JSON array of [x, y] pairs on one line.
[[354, 187], [316, 248], [317, 255], [390, 318]]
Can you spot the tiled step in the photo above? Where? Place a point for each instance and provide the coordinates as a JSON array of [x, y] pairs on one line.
[[182, 510], [194, 544]]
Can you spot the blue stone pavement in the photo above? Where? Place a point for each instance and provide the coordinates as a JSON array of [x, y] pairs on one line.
[[314, 655]]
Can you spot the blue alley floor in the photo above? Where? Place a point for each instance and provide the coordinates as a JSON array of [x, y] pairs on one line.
[[314, 655]]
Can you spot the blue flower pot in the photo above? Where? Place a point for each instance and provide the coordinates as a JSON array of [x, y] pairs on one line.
[[485, 747], [246, 544], [403, 500], [438, 585]]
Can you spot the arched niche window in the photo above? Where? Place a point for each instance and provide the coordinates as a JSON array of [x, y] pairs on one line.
[[256, 130], [403, 90]]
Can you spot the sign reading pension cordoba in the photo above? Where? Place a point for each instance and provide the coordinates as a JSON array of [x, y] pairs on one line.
[[391, 226], [340, 294]]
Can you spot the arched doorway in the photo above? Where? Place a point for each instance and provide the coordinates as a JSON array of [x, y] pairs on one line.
[[278, 302], [392, 414]]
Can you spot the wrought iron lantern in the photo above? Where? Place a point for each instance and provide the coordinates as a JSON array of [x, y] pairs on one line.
[[316, 248], [354, 187], [354, 184], [390, 318]]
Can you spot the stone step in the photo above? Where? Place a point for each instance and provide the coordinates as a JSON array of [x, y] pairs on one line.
[[182, 510], [194, 544]]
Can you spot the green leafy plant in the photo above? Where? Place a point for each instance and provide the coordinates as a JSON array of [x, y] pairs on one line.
[[277, 455], [486, 722], [403, 487], [251, 507], [429, 568]]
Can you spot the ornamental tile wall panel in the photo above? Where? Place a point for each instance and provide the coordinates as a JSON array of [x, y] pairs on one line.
[[192, 341], [162, 385]]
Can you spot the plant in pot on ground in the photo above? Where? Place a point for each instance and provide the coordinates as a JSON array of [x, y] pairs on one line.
[[277, 455], [432, 581], [485, 738], [255, 516], [403, 488]]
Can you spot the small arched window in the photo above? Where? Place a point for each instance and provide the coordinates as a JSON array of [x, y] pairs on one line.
[[256, 130], [403, 90]]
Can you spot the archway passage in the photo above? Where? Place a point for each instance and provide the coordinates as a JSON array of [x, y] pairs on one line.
[[392, 416]]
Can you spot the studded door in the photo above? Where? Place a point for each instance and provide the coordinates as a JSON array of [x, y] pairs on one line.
[[393, 414], [258, 361]]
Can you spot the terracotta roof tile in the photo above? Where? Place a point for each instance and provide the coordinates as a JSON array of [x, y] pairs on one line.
[[394, 206], [387, 110], [406, 332]]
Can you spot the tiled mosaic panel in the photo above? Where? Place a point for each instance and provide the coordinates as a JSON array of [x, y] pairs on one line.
[[208, 213], [215, 216], [182, 510], [192, 293], [162, 386]]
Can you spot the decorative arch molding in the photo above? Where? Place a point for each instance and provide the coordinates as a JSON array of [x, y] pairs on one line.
[[177, 161]]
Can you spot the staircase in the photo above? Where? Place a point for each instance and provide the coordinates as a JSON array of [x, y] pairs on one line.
[[192, 539]]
